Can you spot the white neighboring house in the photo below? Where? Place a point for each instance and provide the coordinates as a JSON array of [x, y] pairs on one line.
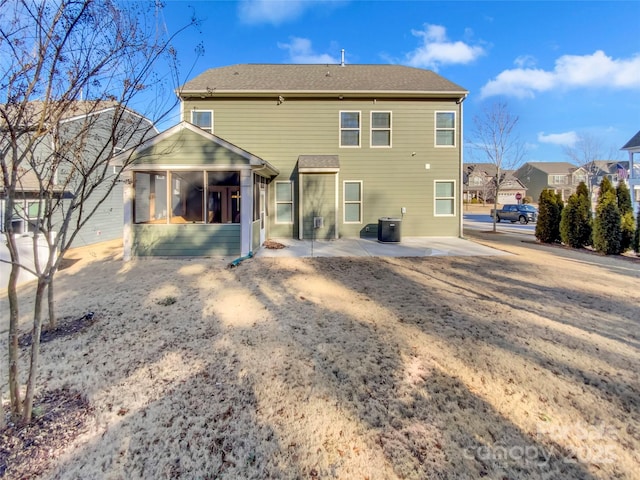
[[633, 147]]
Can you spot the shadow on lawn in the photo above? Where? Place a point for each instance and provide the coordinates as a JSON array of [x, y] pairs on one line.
[[218, 413], [420, 429]]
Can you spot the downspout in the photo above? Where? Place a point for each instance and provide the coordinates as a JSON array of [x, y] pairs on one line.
[[461, 173]]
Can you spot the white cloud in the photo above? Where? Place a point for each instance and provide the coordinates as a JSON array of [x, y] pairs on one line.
[[567, 139], [525, 61], [437, 49], [301, 51], [570, 71], [277, 12]]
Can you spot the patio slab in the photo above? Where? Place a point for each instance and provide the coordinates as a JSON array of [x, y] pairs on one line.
[[370, 247]]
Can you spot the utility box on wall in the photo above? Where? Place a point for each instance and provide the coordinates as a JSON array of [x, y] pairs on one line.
[[389, 229]]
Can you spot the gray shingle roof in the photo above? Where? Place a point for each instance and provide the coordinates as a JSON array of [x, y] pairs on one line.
[[335, 79], [318, 161], [633, 143], [553, 167]]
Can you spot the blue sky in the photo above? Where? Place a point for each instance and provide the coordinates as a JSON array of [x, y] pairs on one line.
[[567, 69]]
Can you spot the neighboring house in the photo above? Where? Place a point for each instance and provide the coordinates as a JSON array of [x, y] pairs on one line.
[[481, 181], [614, 170], [633, 169], [85, 132], [299, 151], [561, 177]]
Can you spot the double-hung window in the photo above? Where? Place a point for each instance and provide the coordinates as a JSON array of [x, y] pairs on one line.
[[445, 129], [380, 129], [445, 198], [349, 129], [203, 119], [284, 202], [352, 202]]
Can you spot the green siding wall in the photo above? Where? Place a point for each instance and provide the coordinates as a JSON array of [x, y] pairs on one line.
[[186, 240], [188, 148], [392, 177], [319, 198]]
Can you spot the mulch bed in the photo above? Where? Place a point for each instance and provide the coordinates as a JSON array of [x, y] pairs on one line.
[[64, 328], [60, 416]]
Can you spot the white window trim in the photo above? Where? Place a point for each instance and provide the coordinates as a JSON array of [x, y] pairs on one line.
[[203, 110], [340, 129], [372, 129], [435, 198], [436, 129], [275, 197], [344, 201]]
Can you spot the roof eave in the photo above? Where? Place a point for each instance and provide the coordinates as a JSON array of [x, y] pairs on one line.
[[213, 93]]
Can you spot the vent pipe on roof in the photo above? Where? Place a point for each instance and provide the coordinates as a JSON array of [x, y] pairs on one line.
[[342, 58]]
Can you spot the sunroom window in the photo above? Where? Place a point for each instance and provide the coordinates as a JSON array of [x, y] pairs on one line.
[[150, 197], [187, 197]]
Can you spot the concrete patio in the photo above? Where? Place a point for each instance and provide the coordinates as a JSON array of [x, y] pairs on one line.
[[370, 247]]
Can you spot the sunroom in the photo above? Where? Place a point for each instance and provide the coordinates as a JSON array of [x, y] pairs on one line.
[[191, 193]]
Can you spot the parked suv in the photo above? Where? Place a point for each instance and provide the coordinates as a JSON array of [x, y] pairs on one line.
[[517, 213]]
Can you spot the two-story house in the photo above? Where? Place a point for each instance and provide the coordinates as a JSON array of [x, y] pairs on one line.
[[78, 140], [615, 170], [561, 177], [299, 151], [633, 149], [481, 184]]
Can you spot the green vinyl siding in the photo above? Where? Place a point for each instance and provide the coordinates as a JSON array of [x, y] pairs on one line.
[[392, 177], [319, 200], [188, 148], [186, 240]]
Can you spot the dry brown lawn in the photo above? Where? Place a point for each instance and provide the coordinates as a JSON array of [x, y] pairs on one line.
[[518, 367]]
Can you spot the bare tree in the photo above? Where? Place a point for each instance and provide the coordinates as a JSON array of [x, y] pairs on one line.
[[85, 60], [494, 140]]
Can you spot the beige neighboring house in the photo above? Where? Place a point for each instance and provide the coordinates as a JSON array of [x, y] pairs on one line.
[[633, 149], [561, 177], [299, 151], [481, 181]]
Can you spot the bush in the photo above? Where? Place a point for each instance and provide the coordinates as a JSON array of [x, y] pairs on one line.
[[627, 231], [527, 200], [607, 234], [549, 214], [575, 223], [627, 225], [636, 236], [624, 199]]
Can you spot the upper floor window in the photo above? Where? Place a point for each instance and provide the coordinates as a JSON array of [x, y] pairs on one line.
[[349, 129], [558, 179], [476, 180], [380, 129], [203, 119], [445, 129]]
